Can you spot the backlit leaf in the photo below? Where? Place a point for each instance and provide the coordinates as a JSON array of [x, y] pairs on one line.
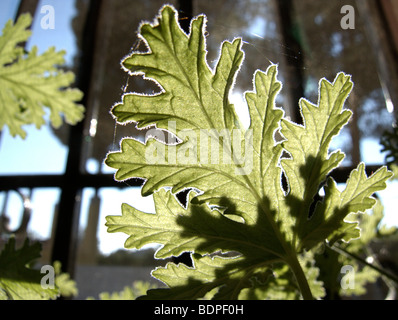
[[18, 281], [29, 82], [239, 223]]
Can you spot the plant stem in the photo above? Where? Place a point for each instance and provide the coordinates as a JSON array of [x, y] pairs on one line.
[[301, 278]]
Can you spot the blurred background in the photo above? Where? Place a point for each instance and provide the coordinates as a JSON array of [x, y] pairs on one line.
[[55, 187]]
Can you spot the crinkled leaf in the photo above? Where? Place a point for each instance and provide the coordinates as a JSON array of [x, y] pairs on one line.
[[308, 144], [193, 96], [238, 204], [67, 286], [138, 289], [197, 229], [17, 280], [29, 82], [280, 285], [229, 275], [328, 219], [331, 263]]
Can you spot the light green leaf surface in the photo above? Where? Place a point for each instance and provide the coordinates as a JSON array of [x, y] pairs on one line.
[[67, 286], [236, 206], [17, 280], [29, 82], [328, 219], [230, 275], [137, 289]]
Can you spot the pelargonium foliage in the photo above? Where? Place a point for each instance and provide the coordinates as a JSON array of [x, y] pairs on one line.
[[249, 235]]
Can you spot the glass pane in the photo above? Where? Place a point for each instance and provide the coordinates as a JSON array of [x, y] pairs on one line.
[[12, 209], [107, 201], [103, 265], [8, 10], [43, 151], [29, 213], [40, 153]]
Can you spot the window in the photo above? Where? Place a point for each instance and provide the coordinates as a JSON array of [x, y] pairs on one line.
[[61, 172]]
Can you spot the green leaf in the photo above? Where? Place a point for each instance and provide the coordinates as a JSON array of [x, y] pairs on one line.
[[197, 229], [237, 204], [178, 64], [67, 286], [17, 280], [280, 285], [356, 254], [309, 162], [29, 82], [139, 288], [229, 275], [328, 219]]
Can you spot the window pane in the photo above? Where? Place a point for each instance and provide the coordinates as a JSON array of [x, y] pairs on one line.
[[94, 209], [42, 152], [29, 213], [8, 10], [103, 264]]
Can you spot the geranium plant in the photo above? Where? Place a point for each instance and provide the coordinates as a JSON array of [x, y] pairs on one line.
[[250, 234]]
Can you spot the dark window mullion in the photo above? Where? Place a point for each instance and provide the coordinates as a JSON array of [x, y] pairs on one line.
[[66, 229]]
